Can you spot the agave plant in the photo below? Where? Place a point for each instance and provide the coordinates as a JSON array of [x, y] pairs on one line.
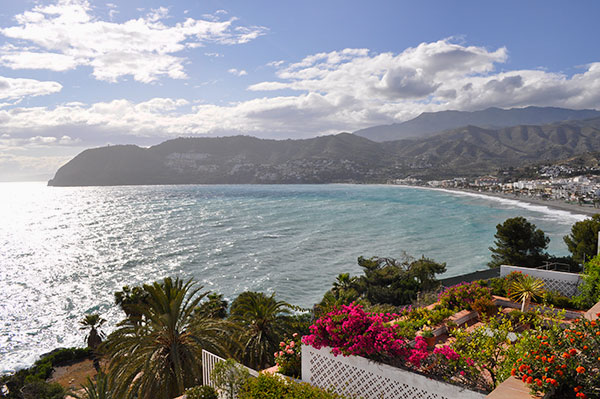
[[98, 389], [160, 356], [526, 289]]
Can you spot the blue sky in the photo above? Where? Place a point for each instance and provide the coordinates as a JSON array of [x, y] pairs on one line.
[[76, 74]]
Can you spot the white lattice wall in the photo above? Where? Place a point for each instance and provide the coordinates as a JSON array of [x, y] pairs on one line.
[[357, 376], [564, 283]]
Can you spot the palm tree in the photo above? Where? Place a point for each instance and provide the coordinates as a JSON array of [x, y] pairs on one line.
[[95, 336], [262, 318], [161, 355], [525, 290], [93, 322]]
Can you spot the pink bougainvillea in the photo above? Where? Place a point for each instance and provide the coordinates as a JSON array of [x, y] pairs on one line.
[[349, 330]]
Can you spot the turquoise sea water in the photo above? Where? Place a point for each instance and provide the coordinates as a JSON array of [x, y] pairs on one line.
[[64, 251]]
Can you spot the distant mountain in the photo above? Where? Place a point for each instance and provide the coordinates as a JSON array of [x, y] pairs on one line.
[[238, 159], [465, 151], [472, 150], [429, 123]]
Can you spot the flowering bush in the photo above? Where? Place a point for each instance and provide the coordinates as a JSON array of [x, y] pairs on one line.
[[288, 358], [462, 296], [564, 363], [485, 347], [349, 330]]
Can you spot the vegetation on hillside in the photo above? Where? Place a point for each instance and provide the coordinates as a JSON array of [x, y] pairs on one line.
[[155, 351]]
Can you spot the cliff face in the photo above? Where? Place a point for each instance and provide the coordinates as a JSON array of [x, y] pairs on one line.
[[466, 151]]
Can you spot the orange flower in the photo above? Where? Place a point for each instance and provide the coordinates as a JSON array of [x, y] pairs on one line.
[[529, 380], [513, 372], [580, 369]]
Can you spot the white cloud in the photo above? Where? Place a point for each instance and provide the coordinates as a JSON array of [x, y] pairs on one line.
[[66, 34], [16, 89], [237, 72], [338, 91], [431, 77]]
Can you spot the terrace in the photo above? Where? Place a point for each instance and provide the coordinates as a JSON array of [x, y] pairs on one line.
[[474, 342]]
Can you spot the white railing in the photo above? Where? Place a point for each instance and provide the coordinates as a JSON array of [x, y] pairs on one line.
[[561, 282], [208, 364], [360, 377]]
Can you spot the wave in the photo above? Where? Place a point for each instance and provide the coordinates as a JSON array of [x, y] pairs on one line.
[[546, 209]]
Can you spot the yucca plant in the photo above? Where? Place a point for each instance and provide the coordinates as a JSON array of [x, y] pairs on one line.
[[526, 289]]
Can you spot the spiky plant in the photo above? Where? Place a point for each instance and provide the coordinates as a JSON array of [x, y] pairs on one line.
[[526, 289], [98, 389], [161, 356]]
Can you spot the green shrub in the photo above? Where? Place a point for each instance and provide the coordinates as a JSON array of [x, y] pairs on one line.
[[498, 286], [201, 392], [463, 295], [589, 291], [552, 298], [42, 390], [484, 306], [269, 386], [33, 378], [229, 376]]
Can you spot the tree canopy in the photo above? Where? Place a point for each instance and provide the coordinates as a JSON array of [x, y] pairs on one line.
[[583, 240], [397, 282], [519, 243]]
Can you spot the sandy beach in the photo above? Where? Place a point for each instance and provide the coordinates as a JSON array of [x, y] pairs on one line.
[[585, 209]]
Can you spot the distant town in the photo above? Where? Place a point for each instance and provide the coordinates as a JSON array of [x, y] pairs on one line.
[[576, 185]]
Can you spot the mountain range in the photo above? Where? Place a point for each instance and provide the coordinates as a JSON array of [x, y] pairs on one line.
[[430, 123], [465, 151]]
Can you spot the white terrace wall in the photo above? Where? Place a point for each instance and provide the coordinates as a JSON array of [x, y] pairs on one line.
[[363, 378], [564, 283]]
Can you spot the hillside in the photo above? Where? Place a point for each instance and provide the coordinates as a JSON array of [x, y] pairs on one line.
[[466, 151], [429, 123]]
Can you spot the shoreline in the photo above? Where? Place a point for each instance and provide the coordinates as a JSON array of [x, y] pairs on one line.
[[583, 210]]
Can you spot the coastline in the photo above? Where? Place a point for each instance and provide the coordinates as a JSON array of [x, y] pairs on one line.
[[584, 210]]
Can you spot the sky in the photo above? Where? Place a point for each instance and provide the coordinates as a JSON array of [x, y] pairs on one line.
[[76, 74]]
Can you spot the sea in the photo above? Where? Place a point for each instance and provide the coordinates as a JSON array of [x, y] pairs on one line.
[[65, 251]]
